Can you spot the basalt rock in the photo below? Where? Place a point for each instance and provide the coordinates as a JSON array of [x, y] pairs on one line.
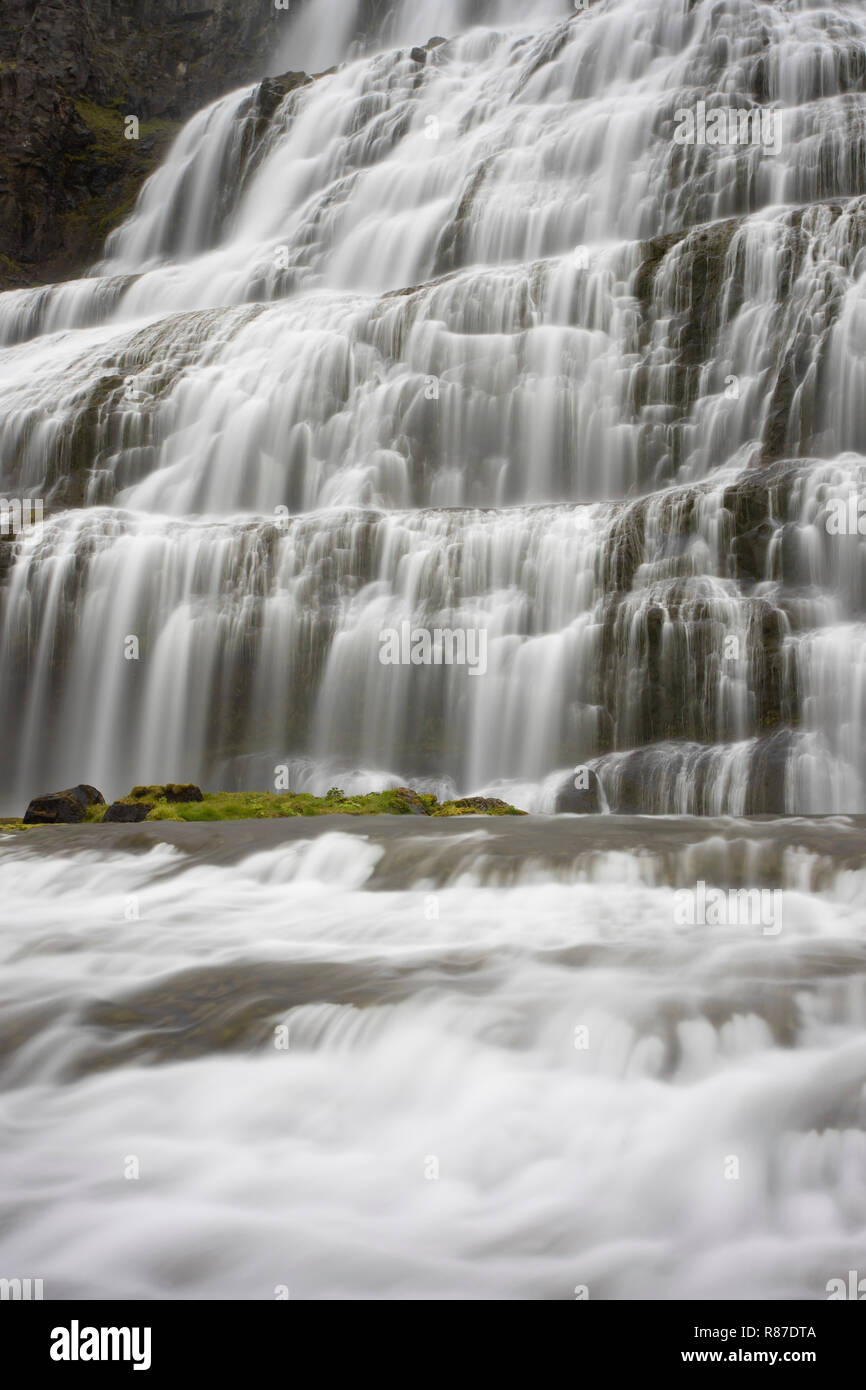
[[419, 54], [126, 812], [575, 799], [183, 791], [274, 89], [768, 775], [66, 807], [171, 791], [749, 552]]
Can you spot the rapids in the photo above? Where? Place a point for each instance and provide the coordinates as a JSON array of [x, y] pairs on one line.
[[450, 1061]]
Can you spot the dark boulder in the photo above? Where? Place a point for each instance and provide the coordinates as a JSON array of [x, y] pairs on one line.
[[631, 791], [126, 812], [85, 794], [274, 89], [183, 791], [572, 798], [56, 809], [418, 55], [67, 807], [172, 791]]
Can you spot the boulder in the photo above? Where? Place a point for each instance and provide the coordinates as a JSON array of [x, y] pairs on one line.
[[67, 807], [477, 806], [172, 791], [410, 803], [633, 778], [126, 812], [183, 791], [418, 55], [578, 800], [274, 89]]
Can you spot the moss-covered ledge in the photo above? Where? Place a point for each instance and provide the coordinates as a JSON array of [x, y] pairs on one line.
[[228, 806]]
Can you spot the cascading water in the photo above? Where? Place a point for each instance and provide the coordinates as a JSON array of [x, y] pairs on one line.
[[489, 281], [457, 338]]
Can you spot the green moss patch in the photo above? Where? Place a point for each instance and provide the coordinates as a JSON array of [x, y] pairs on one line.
[[104, 175], [477, 806], [398, 801]]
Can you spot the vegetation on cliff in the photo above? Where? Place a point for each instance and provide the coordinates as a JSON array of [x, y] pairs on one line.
[[70, 72]]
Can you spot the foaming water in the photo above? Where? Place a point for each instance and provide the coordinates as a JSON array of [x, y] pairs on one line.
[[492, 1088]]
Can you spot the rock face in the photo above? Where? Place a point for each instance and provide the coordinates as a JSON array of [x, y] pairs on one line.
[[70, 72], [126, 812], [771, 761], [576, 799], [63, 808]]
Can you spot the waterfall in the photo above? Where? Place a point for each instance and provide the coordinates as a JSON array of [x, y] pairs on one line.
[[475, 401], [460, 335]]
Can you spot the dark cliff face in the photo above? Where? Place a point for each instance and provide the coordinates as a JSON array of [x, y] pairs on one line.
[[70, 72]]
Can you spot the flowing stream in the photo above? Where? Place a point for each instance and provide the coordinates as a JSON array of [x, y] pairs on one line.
[[454, 1061]]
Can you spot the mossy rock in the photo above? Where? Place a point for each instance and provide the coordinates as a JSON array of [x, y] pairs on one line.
[[477, 806], [171, 791], [406, 802], [127, 812], [66, 807]]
